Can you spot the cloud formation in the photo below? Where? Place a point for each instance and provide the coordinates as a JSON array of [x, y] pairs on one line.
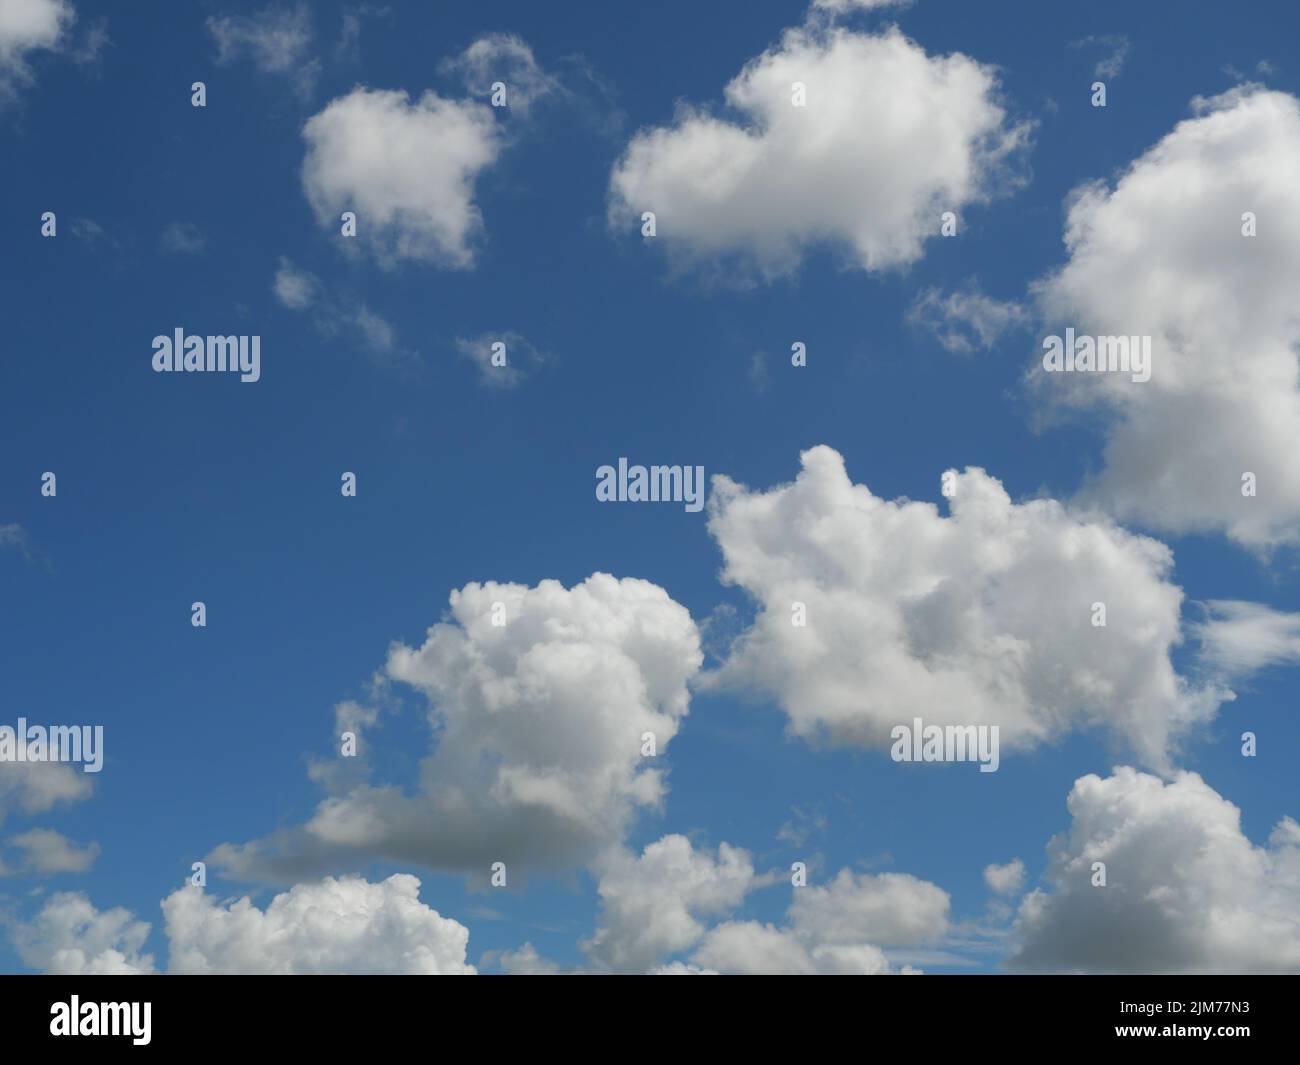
[[889, 139], [985, 616]]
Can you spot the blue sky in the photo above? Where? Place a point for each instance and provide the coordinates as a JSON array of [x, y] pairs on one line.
[[174, 488]]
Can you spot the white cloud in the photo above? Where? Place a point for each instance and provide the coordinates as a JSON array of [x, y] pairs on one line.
[[520, 355], [890, 138], [537, 723], [1117, 48], [28, 26], [35, 787], [1162, 254], [834, 930], [505, 58], [277, 40], [346, 925], [48, 852], [407, 170], [296, 289], [1185, 892], [1240, 637], [966, 320], [650, 904], [1006, 879], [69, 937], [981, 617]]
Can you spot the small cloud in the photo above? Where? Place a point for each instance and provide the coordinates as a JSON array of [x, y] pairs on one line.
[[965, 320], [295, 288], [490, 350], [1006, 879], [87, 229], [49, 852], [183, 238], [1110, 65], [14, 536], [505, 58], [277, 40]]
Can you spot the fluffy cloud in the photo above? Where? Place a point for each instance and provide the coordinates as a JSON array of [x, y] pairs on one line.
[[69, 937], [981, 617], [1240, 637], [407, 169], [1162, 254], [650, 904], [346, 925], [840, 7], [1185, 892], [890, 138], [336, 926], [836, 930], [538, 725], [28, 26]]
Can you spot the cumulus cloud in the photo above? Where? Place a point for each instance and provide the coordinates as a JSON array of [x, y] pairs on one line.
[[856, 168], [1162, 254], [1006, 879], [537, 731], [1185, 892], [408, 171], [277, 40], [1239, 637], [28, 26], [838, 929], [70, 937], [346, 925], [981, 617], [966, 320], [336, 926], [650, 904], [183, 238]]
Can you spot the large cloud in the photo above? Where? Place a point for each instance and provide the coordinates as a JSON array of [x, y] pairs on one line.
[[538, 726], [1185, 892], [337, 926], [981, 617], [1162, 254], [890, 138], [406, 169]]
